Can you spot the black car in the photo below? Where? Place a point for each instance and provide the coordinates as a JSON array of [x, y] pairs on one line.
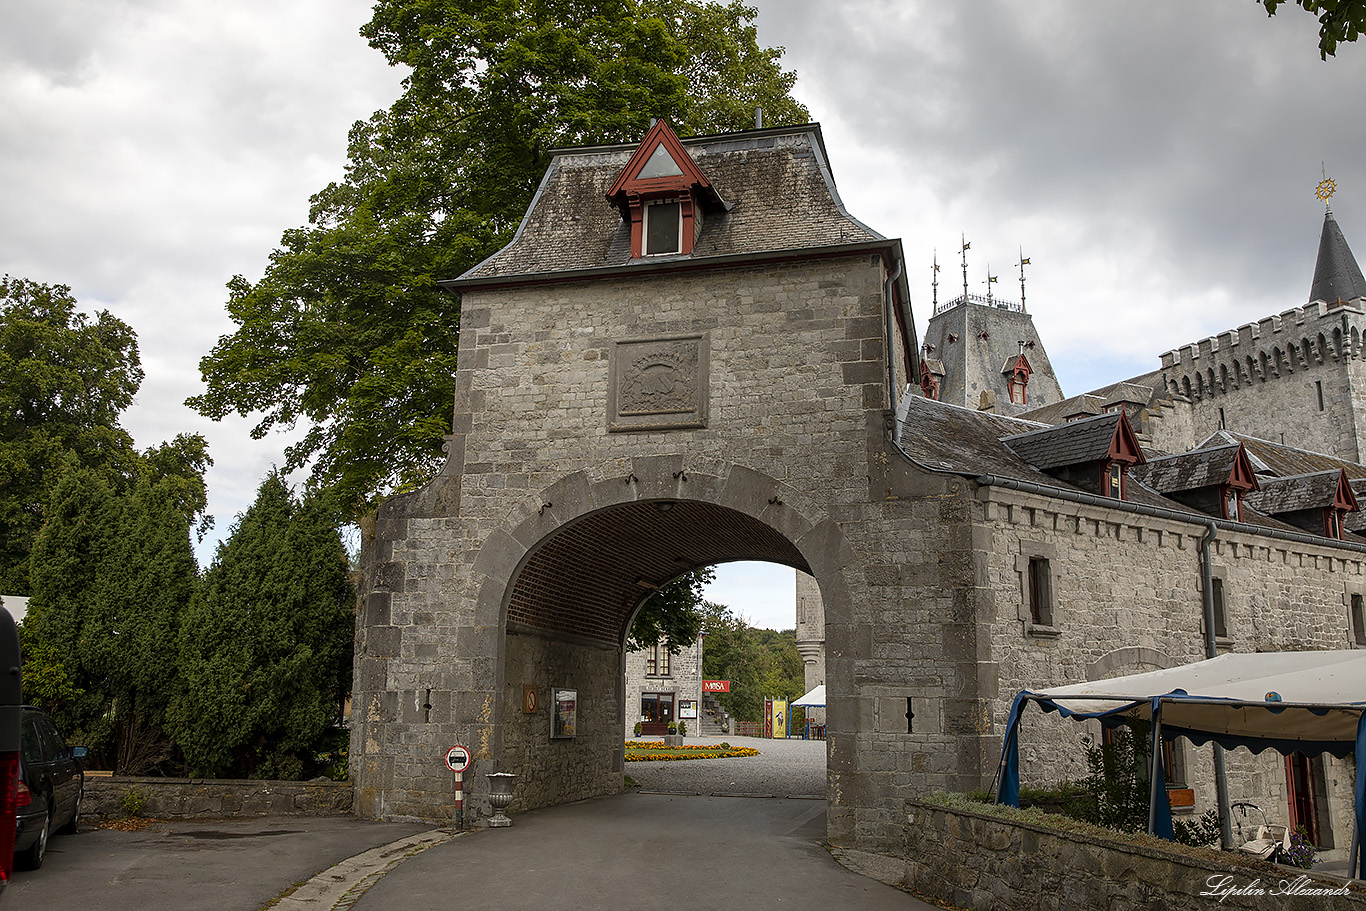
[[51, 786]]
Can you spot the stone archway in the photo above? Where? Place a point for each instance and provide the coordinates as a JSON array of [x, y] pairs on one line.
[[566, 602]]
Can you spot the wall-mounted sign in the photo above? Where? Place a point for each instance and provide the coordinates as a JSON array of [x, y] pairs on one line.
[[687, 708], [716, 686], [566, 712], [530, 701]]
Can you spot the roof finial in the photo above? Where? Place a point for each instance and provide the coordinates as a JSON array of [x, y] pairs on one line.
[[991, 280], [1326, 187], [1024, 261]]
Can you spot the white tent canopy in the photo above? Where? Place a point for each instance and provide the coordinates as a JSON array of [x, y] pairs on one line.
[[1313, 702], [1294, 697], [815, 698]]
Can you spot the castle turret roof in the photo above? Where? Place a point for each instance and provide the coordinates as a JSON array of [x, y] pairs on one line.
[[1337, 277]]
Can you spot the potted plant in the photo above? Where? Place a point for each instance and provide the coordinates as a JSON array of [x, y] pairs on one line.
[[682, 729], [673, 728], [637, 728]]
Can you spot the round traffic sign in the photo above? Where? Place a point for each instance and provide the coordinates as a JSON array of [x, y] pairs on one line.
[[457, 758]]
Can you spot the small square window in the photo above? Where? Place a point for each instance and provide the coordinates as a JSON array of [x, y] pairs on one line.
[[663, 228]]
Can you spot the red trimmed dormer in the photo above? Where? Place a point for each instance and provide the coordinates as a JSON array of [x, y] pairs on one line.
[[1124, 453], [662, 192], [1344, 501], [1017, 373], [1241, 479]]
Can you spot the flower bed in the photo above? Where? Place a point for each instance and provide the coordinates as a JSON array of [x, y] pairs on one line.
[[656, 751]]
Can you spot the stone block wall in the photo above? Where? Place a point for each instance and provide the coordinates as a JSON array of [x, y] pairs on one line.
[[1298, 374], [684, 680], [1127, 599], [987, 863], [198, 798]]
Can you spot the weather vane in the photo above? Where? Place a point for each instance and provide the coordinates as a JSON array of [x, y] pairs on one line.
[[966, 246], [1024, 261], [991, 280], [1326, 188], [934, 283]]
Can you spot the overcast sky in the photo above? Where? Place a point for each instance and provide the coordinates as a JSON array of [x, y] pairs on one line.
[[1156, 161]]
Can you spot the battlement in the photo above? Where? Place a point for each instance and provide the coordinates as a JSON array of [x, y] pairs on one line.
[[1276, 346]]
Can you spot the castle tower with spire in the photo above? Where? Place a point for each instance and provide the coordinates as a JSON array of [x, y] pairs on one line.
[[1298, 376]]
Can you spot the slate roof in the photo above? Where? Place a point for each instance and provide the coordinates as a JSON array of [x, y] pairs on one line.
[[972, 443], [1188, 470], [1280, 460], [1292, 494], [1336, 273], [1058, 412], [1073, 443], [776, 182]]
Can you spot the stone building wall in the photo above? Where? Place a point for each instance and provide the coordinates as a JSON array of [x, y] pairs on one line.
[[810, 630], [1265, 378], [795, 443], [684, 680], [1127, 599]]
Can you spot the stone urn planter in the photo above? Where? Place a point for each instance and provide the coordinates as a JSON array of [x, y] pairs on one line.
[[500, 795]]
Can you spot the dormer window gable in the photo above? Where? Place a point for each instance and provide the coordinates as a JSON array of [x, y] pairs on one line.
[[662, 193], [1241, 479], [1016, 372], [1344, 501], [1094, 454]]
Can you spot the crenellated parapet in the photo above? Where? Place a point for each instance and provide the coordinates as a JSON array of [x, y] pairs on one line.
[[1273, 348]]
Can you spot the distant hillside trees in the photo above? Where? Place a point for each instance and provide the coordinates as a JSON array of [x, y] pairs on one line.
[[759, 663]]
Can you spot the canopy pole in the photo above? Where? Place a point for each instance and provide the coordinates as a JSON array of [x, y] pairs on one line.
[[1212, 651], [1155, 763]]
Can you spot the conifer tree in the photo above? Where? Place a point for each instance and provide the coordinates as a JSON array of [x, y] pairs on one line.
[[111, 575], [265, 648]]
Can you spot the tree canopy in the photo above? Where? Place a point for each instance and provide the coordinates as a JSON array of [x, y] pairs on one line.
[[759, 663], [1339, 20], [65, 379], [673, 614], [347, 331]]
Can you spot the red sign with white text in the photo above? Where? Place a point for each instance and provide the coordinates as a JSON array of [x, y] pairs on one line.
[[716, 686]]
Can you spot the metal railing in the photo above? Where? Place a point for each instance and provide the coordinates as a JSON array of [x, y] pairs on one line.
[[982, 300]]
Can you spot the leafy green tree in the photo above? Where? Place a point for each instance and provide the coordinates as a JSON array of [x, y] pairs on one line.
[[65, 378], [759, 663], [347, 330], [672, 614], [265, 648], [111, 575], [1339, 20]]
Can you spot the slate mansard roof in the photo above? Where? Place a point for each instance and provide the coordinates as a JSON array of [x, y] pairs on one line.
[[776, 190], [1074, 443]]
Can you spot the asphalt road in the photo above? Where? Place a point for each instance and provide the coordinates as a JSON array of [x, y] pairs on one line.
[[191, 865]]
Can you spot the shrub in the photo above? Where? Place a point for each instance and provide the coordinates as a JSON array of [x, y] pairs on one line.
[[132, 801]]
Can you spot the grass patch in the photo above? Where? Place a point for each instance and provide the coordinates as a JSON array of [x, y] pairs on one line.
[[656, 751]]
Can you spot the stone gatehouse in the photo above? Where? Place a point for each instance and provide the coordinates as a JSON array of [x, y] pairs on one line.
[[691, 353]]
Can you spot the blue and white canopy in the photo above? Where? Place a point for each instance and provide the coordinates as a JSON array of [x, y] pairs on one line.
[[1311, 702]]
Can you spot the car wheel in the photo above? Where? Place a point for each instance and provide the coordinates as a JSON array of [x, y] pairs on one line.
[[74, 824], [32, 858]]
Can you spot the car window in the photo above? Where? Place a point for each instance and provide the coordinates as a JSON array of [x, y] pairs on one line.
[[31, 742], [53, 744]]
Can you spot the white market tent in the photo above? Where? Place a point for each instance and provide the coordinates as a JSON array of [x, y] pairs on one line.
[[1311, 702], [815, 698]]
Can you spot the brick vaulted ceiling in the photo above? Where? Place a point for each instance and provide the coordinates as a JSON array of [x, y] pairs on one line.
[[588, 578]]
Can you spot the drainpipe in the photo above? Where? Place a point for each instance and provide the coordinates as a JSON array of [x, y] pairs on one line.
[[1212, 651], [888, 316]]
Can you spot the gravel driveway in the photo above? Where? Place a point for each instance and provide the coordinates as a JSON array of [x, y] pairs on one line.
[[783, 768]]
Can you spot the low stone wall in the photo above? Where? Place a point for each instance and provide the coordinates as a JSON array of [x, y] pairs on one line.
[[189, 798], [986, 862]]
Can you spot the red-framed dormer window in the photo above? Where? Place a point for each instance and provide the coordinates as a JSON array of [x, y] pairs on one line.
[[1124, 451], [928, 385], [1017, 379], [1344, 501], [1241, 479], [661, 192]]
